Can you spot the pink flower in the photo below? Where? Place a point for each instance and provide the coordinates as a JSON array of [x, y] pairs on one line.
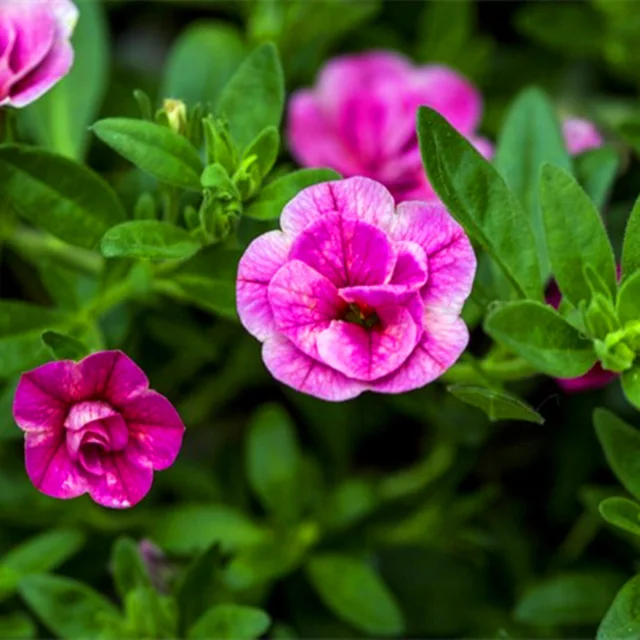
[[596, 377], [354, 294], [95, 427], [360, 118], [580, 135], [35, 51]]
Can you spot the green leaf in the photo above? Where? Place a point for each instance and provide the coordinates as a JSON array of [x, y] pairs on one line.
[[355, 593], [621, 512], [265, 147], [578, 598], [148, 240], [192, 528], [540, 335], [39, 554], [61, 117], [272, 199], [621, 444], [631, 244], [622, 620], [57, 195], [530, 137], [149, 614], [21, 325], [216, 177], [498, 405], [64, 347], [129, 571], [628, 302], [201, 62], [230, 622], [576, 237], [273, 462], [154, 149], [596, 170], [479, 199], [17, 626], [68, 608], [254, 97], [199, 587], [631, 385], [208, 280]]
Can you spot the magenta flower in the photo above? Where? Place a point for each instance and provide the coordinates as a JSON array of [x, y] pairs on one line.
[[580, 135], [360, 118], [596, 377], [95, 427], [35, 51], [354, 294]]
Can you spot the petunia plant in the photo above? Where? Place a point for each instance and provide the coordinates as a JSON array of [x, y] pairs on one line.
[[270, 273]]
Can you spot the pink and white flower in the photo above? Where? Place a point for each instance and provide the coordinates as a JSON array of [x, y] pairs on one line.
[[354, 294], [95, 427], [360, 118], [35, 47]]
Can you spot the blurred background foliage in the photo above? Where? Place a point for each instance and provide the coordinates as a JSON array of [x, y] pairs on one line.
[[411, 516]]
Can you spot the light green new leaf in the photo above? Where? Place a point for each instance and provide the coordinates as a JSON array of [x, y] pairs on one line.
[[576, 598], [480, 200], [272, 199], [201, 62], [622, 513], [621, 444], [154, 149], [631, 245], [21, 325], [622, 620], [254, 97], [530, 137], [230, 622], [498, 405], [265, 148], [148, 240], [631, 385], [69, 609], [576, 237], [61, 117], [540, 335], [356, 594], [628, 302], [273, 462], [57, 195]]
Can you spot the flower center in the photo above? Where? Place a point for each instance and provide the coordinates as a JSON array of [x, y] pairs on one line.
[[94, 428], [362, 315]]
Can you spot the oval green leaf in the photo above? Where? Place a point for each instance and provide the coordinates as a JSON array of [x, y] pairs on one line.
[[356, 594], [621, 444], [479, 199], [57, 195], [621, 512], [148, 240], [622, 620], [498, 405], [230, 622], [154, 149], [631, 244], [540, 335]]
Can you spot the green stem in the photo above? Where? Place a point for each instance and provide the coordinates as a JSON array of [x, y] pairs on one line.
[[35, 245]]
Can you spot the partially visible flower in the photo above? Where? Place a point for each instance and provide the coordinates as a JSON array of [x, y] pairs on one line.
[[355, 294], [580, 135], [596, 377], [360, 118], [95, 427], [35, 47]]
